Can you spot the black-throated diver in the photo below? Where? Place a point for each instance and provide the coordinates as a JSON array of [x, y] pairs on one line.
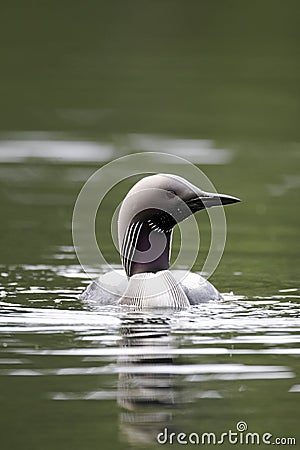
[[148, 214]]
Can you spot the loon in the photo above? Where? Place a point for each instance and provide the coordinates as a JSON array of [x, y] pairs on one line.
[[148, 214]]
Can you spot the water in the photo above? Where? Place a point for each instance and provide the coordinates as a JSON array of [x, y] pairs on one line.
[[74, 373], [202, 86], [119, 376]]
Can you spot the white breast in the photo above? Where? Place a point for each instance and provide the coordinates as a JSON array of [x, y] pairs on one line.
[[154, 290]]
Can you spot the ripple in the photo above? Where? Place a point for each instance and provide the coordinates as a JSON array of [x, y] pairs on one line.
[[18, 319], [93, 395], [295, 388], [274, 322], [59, 148], [211, 371], [156, 352]]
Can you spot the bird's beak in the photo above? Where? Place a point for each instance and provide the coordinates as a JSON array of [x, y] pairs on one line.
[[207, 200]]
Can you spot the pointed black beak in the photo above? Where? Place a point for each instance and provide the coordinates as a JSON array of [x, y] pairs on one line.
[[208, 200]]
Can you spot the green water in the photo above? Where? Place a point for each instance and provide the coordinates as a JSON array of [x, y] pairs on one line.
[[81, 84]]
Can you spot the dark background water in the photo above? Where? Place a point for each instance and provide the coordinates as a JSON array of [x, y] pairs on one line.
[[82, 83]]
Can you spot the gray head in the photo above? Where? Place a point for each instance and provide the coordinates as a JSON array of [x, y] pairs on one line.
[[148, 215]]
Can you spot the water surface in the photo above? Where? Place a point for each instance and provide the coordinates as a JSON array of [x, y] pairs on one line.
[[217, 83], [74, 372]]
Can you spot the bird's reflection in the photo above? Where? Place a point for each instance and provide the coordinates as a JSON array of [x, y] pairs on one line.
[[146, 394]]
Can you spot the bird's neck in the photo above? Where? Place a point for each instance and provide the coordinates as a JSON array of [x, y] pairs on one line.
[[146, 248]]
